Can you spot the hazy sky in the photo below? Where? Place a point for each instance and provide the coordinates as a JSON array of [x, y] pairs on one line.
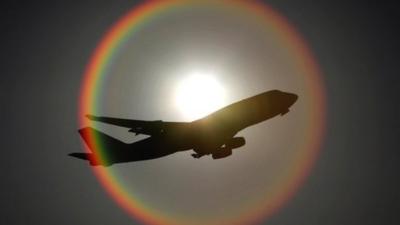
[[246, 58], [46, 47]]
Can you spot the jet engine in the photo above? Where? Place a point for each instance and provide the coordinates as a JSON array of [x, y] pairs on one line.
[[222, 153], [226, 150], [235, 142]]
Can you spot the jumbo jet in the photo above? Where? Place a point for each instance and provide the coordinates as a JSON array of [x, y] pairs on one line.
[[212, 135]]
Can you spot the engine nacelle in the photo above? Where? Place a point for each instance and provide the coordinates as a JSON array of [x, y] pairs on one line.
[[226, 150], [235, 142], [222, 153]]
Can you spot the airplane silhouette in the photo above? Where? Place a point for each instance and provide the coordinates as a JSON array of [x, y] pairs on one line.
[[213, 134]]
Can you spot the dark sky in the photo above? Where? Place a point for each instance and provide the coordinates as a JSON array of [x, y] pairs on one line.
[[45, 47]]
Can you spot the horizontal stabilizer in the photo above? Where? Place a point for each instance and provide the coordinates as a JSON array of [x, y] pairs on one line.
[[84, 156]]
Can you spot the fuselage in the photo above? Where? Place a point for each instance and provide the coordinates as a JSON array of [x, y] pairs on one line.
[[213, 134], [214, 130]]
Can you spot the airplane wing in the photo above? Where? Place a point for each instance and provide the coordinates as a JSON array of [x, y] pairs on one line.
[[139, 126]]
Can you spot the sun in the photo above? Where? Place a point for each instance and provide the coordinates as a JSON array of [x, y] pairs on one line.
[[198, 95]]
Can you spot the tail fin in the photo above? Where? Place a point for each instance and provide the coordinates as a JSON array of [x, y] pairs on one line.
[[95, 140]]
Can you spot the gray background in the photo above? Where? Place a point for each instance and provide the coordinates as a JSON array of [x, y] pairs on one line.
[[45, 47]]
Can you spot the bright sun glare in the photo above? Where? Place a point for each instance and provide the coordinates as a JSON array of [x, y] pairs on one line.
[[198, 95]]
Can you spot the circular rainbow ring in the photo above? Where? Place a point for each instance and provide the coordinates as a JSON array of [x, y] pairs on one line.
[[141, 15]]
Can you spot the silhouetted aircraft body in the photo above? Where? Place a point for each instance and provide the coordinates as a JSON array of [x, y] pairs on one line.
[[213, 134]]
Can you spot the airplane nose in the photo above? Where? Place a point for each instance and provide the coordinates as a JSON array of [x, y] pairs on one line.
[[291, 98]]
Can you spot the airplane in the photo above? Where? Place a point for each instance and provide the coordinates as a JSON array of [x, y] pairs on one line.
[[212, 135]]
